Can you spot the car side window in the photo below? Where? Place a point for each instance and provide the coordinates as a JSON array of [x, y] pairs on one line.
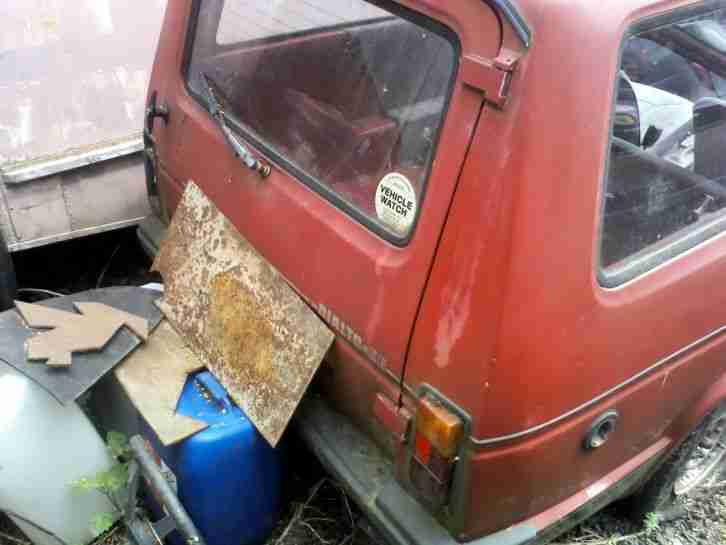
[[666, 179]]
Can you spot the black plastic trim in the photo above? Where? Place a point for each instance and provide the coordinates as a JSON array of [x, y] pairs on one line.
[[150, 232], [513, 16]]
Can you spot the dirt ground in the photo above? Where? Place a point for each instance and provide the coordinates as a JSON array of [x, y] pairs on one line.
[[320, 514], [317, 511], [323, 515], [703, 524]]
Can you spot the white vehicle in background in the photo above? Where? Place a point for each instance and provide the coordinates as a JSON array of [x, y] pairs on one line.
[[73, 79]]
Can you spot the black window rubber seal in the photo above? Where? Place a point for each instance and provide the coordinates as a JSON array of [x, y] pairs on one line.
[[509, 10]]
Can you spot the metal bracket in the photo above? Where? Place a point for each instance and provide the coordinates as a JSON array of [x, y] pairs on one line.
[[154, 110], [491, 76]]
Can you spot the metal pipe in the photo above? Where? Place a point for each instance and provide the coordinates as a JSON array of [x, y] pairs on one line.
[[176, 510]]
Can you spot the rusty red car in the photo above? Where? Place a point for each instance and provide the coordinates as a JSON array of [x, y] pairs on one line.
[[512, 215]]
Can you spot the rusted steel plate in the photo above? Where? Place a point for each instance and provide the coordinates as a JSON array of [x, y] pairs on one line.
[[237, 313]]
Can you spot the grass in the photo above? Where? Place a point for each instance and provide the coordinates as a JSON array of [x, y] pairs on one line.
[[324, 516]]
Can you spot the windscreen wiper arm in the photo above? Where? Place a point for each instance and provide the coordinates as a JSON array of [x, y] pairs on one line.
[[219, 115]]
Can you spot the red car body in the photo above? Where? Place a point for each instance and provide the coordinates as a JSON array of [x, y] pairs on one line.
[[494, 302]]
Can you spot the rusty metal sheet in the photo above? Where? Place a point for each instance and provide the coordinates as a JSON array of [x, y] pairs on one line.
[[237, 313]]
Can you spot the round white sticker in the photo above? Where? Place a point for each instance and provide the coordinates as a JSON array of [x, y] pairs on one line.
[[396, 202]]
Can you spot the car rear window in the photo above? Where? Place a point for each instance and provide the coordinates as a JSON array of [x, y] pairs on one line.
[[347, 95], [666, 181]]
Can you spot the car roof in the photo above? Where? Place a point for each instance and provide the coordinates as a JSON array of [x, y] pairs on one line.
[[591, 13]]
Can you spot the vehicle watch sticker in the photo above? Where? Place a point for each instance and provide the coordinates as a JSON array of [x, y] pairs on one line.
[[396, 202]]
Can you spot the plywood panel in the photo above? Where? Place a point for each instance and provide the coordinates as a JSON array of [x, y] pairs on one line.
[[153, 378]]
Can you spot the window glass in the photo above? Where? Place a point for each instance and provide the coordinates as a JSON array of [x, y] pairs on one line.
[[244, 20], [666, 181], [347, 94]]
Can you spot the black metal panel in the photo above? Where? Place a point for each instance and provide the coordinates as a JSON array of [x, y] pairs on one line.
[[66, 384]]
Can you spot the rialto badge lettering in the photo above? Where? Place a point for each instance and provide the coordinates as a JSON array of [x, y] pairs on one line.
[[396, 203]]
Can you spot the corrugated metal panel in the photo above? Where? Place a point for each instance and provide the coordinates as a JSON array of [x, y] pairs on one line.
[[73, 73], [73, 81]]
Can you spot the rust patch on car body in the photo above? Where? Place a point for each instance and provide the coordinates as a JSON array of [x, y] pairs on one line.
[[238, 314]]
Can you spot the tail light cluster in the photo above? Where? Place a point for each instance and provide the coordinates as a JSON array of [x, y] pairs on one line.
[[426, 452], [437, 437]]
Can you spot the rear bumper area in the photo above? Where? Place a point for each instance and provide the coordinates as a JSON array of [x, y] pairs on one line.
[[151, 232], [369, 477]]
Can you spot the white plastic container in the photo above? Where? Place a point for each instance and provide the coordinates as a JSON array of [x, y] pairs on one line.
[[44, 446]]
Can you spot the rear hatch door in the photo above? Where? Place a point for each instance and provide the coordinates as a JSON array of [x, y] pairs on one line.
[[358, 110]]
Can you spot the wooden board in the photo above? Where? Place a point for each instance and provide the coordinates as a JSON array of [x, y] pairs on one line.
[[153, 378], [238, 314], [70, 332]]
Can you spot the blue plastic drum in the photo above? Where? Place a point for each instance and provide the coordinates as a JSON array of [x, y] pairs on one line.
[[227, 476]]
